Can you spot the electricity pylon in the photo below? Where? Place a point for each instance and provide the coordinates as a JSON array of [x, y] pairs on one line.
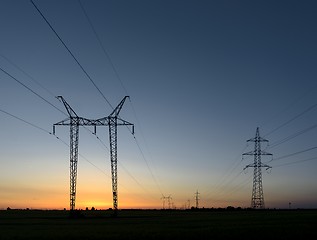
[[257, 200], [169, 201], [163, 198], [197, 198], [74, 121]]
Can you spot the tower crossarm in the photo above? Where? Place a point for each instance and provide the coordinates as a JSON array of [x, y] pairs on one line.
[[255, 153], [123, 122], [82, 122], [257, 139], [254, 165]]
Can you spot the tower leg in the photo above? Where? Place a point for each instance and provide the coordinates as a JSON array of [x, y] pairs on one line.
[[74, 135], [113, 159]]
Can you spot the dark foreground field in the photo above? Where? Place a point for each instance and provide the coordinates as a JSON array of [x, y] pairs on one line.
[[160, 224]]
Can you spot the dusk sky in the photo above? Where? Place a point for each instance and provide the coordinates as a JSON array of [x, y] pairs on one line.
[[201, 76]]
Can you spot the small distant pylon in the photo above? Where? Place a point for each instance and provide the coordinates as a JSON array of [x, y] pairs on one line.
[[257, 201], [163, 198], [169, 201], [197, 198]]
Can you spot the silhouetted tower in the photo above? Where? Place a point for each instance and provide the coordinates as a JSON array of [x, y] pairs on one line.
[[257, 190], [113, 120], [163, 198], [197, 198], [169, 201]]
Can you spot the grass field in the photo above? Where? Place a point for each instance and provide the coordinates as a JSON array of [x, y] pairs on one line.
[[159, 224]]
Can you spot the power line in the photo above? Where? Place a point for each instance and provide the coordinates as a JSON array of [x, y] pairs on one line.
[[118, 77], [47, 90], [103, 48], [290, 105], [82, 68], [226, 175], [292, 119], [29, 76], [292, 136], [148, 165], [22, 120], [31, 90], [293, 154], [44, 130], [299, 161]]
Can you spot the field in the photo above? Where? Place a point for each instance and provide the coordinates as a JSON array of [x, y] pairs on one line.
[[159, 224]]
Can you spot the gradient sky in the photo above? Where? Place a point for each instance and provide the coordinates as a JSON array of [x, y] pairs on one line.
[[201, 76]]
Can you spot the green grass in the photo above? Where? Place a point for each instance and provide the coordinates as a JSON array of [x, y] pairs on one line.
[[157, 224]]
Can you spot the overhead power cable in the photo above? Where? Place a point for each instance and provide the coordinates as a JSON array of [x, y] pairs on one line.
[[47, 90], [299, 161], [44, 130], [31, 90], [293, 154], [292, 136], [290, 105], [70, 52], [148, 165], [22, 120], [224, 180], [292, 119], [103, 48], [121, 82], [28, 75]]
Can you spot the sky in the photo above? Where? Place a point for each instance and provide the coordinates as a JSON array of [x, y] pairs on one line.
[[202, 76]]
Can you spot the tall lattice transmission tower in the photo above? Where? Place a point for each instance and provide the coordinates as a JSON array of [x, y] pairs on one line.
[[74, 121], [257, 200]]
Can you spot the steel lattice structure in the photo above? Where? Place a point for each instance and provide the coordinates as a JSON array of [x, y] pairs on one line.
[[257, 200], [74, 121]]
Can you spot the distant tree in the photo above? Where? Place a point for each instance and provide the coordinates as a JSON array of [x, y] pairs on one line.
[[8, 208], [93, 209]]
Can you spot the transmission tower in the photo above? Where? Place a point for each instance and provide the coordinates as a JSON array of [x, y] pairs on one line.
[[163, 198], [169, 201], [257, 201], [197, 198], [113, 120]]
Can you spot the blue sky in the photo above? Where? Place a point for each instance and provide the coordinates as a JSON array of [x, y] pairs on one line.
[[201, 76]]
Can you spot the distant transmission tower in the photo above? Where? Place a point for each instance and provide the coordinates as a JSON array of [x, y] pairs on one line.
[[169, 201], [197, 198], [257, 201], [163, 198]]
